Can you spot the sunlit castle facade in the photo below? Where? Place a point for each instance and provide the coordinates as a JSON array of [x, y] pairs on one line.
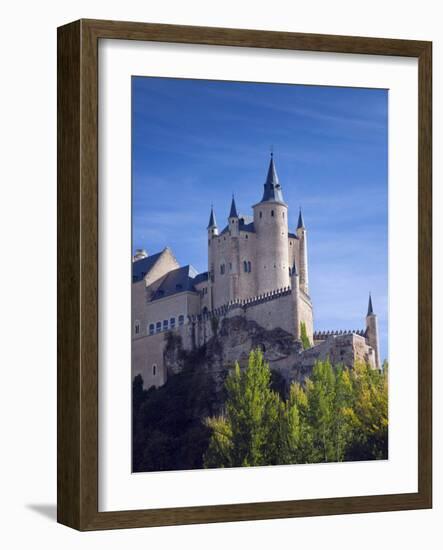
[[257, 268]]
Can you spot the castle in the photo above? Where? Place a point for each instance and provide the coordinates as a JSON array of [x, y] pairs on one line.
[[257, 270]]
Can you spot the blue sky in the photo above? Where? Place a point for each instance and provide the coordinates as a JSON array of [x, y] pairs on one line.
[[195, 142]]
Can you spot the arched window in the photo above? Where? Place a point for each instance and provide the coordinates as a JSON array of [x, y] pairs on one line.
[[246, 236], [154, 369], [158, 326], [249, 267], [245, 266], [151, 328], [283, 215], [261, 215], [172, 322], [137, 327], [272, 213], [222, 269], [165, 324], [181, 319]]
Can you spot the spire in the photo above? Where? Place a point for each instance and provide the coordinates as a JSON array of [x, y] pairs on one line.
[[370, 309], [301, 223], [212, 220], [233, 212], [272, 191]]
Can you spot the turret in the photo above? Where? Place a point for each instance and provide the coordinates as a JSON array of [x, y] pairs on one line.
[[295, 294], [212, 225], [271, 228], [233, 220], [303, 248], [212, 234], [372, 332]]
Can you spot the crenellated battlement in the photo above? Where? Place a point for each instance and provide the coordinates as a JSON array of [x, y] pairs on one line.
[[242, 304], [323, 334]]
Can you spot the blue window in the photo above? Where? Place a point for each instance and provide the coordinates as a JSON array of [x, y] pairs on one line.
[[181, 319], [172, 322], [165, 324], [151, 328], [137, 327], [158, 326]]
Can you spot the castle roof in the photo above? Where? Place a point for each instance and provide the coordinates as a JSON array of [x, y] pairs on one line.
[[233, 212], [142, 267], [370, 308], [200, 278], [272, 188], [246, 223], [176, 281], [212, 220], [301, 222]]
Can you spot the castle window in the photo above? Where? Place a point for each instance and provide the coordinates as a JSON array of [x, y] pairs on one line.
[[172, 322], [222, 269], [165, 324], [245, 266], [283, 215], [151, 328], [154, 369], [246, 236], [249, 267], [261, 215], [158, 327], [230, 266], [290, 243], [209, 242], [137, 327], [272, 213], [181, 319]]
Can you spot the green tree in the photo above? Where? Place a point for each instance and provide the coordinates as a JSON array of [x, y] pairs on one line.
[[304, 336], [370, 408], [245, 436]]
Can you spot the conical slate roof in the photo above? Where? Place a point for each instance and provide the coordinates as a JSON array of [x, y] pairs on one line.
[[212, 220], [370, 309], [233, 212], [272, 187], [301, 222]]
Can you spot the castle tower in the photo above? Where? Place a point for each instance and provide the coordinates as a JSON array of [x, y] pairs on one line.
[[372, 332], [301, 234], [295, 295], [233, 220], [271, 227], [234, 251], [212, 232]]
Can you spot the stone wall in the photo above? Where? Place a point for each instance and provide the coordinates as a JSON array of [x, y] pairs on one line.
[[147, 360]]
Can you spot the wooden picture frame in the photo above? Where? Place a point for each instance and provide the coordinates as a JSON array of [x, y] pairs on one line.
[[78, 274]]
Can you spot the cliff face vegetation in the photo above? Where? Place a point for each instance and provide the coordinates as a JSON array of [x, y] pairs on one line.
[[217, 413], [168, 428]]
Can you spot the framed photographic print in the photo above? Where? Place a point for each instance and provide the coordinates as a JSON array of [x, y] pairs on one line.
[[244, 275]]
